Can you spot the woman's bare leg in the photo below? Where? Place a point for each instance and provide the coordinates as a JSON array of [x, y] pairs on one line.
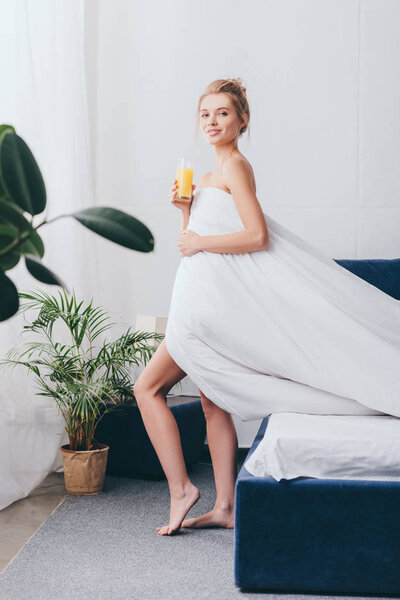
[[223, 444], [159, 376]]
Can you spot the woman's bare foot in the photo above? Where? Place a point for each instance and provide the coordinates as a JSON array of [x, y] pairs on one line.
[[217, 517], [180, 506]]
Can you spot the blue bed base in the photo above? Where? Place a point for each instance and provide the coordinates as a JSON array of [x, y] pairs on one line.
[[309, 535]]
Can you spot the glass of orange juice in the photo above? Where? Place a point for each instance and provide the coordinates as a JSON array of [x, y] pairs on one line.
[[184, 176]]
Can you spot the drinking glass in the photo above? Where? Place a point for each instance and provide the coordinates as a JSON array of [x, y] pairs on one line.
[[184, 177]]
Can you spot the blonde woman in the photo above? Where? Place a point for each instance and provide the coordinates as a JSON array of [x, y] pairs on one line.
[[260, 320]]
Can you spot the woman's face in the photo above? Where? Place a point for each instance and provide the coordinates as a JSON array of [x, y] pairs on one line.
[[219, 122]]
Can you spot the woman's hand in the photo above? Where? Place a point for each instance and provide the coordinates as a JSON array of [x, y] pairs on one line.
[[179, 203], [189, 242]]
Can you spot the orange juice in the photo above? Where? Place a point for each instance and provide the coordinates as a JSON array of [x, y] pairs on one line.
[[184, 176]]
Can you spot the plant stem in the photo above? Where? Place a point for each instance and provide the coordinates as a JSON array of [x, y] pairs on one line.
[[52, 220]]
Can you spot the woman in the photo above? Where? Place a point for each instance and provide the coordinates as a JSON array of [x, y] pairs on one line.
[[261, 321]]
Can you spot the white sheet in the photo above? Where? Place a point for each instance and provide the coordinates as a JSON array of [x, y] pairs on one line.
[[328, 447], [285, 329]]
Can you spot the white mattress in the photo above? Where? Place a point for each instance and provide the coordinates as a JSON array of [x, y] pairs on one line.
[[328, 447]]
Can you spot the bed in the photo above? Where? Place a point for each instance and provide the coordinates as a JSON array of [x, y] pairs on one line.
[[320, 535]]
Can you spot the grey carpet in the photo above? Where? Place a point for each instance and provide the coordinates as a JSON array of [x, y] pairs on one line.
[[106, 547]]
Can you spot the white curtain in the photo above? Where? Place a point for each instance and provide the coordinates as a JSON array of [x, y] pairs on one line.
[[44, 98]]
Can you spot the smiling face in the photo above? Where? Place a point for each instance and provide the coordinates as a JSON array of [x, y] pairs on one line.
[[219, 122]]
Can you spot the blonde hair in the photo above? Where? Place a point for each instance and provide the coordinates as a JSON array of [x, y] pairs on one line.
[[237, 92]]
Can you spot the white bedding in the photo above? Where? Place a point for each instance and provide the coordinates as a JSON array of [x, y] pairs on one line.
[[328, 447], [285, 329]]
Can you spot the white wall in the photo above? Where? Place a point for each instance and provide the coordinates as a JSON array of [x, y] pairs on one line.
[[323, 83]]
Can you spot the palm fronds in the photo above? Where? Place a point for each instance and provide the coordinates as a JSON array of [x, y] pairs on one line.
[[84, 379]]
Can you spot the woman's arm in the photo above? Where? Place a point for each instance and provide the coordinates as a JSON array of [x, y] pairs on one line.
[[255, 236], [185, 217], [186, 209], [232, 243]]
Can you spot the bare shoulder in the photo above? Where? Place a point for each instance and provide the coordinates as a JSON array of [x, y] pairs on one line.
[[238, 170], [239, 177], [204, 179]]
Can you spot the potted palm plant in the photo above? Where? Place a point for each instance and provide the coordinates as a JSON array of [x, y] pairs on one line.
[[86, 379]]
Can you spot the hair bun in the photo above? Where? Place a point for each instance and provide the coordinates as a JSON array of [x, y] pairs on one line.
[[238, 81]]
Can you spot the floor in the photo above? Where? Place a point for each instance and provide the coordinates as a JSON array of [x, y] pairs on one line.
[[20, 520]]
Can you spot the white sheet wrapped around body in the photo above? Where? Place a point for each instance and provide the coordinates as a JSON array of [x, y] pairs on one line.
[[284, 329]]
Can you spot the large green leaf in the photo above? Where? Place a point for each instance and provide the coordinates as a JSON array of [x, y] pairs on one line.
[[117, 226], [3, 130], [9, 261], [8, 234], [5, 127], [33, 245], [21, 175], [11, 216], [9, 301], [42, 273]]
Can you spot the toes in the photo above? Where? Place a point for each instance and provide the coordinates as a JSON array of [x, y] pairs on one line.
[[172, 530], [167, 530], [162, 530]]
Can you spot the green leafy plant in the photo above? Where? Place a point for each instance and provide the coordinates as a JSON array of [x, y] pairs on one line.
[[85, 380], [23, 198]]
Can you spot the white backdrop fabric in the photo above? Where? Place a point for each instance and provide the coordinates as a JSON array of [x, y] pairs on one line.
[[44, 98]]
